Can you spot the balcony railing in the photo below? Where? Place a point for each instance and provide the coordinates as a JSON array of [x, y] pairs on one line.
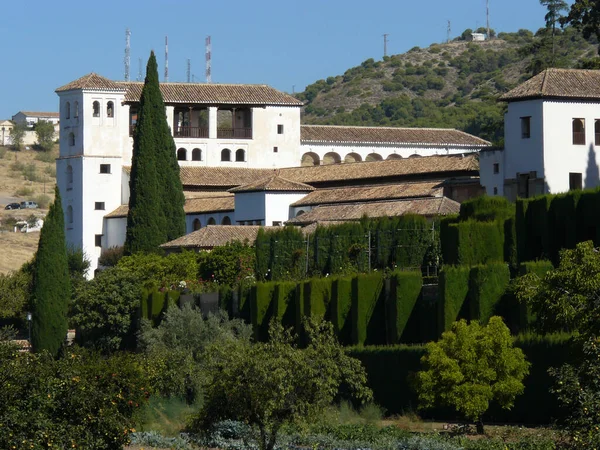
[[578, 137], [191, 132], [242, 133]]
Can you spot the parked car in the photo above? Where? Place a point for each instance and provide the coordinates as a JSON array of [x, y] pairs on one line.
[[13, 206], [25, 205]]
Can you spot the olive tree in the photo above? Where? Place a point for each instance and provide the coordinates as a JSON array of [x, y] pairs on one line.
[[267, 385], [471, 366], [44, 132]]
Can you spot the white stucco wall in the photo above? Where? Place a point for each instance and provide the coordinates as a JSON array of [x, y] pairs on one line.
[[114, 232], [561, 157], [277, 206], [488, 179]]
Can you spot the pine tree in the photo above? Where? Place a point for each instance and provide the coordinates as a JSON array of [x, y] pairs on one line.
[[156, 198], [51, 283]]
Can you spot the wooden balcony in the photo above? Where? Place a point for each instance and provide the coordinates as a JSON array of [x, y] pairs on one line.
[[191, 132], [237, 133]]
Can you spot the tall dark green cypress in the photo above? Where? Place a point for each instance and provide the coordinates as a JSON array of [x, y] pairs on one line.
[[51, 283], [156, 198]]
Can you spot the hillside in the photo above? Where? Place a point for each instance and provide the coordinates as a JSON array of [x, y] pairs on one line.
[[24, 175], [445, 85]]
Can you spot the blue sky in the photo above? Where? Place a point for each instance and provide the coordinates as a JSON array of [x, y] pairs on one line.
[[282, 43]]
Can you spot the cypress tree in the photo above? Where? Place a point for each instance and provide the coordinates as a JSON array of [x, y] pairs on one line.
[[156, 198], [51, 283]]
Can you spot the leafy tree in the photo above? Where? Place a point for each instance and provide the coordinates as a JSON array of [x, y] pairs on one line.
[[177, 348], [79, 401], [44, 132], [14, 293], [105, 310], [267, 385], [567, 297], [156, 196], [17, 134], [154, 270], [228, 264], [471, 366], [584, 15], [51, 283]]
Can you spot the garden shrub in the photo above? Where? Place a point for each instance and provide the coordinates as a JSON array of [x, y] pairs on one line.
[[523, 251], [487, 286], [588, 216], [538, 232], [454, 290], [486, 209], [261, 309], [368, 309], [341, 305], [284, 308], [405, 291], [476, 242]]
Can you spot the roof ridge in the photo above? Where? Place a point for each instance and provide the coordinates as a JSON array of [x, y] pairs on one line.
[[199, 84], [544, 79], [380, 128]]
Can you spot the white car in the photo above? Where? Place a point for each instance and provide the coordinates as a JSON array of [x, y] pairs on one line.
[[25, 205]]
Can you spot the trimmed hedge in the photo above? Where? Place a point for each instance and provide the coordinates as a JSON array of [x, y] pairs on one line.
[[454, 290], [563, 223], [472, 242], [540, 268], [317, 298], [368, 319], [155, 303], [487, 286], [341, 305], [261, 309], [538, 227], [284, 308], [523, 250], [405, 291], [486, 209]]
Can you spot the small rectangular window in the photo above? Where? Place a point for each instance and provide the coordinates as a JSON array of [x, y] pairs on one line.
[[578, 131], [575, 181], [275, 149], [104, 168], [525, 127], [276, 223], [496, 167], [99, 206], [98, 240], [279, 129]]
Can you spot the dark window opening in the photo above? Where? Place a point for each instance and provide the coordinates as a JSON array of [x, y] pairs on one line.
[[495, 191], [68, 111], [98, 240], [578, 131], [104, 168], [225, 154], [575, 181], [110, 109], [182, 154], [525, 127], [275, 149], [279, 129], [99, 206], [196, 154], [496, 168], [96, 109], [240, 155]]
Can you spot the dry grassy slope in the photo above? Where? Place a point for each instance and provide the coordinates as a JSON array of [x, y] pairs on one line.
[[18, 248], [360, 90]]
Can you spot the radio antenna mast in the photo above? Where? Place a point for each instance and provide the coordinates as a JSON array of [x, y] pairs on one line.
[[208, 60], [166, 58], [127, 59]]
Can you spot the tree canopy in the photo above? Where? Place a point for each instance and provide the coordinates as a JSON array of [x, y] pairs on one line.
[[471, 366], [585, 15], [44, 132]]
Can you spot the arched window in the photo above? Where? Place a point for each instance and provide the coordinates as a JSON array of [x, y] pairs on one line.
[[68, 111], [225, 154], [182, 154], [310, 159], [331, 158], [69, 214], [373, 157], [196, 225], [76, 115], [300, 212], [211, 221], [394, 156], [196, 154], [69, 177], [71, 139], [352, 158], [96, 108], [240, 155], [415, 156], [226, 221], [578, 131], [110, 109]]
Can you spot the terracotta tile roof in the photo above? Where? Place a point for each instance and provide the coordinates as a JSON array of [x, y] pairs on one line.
[[274, 183], [92, 81], [210, 94], [215, 235], [431, 206], [382, 169], [40, 114], [225, 177], [558, 83], [207, 203], [389, 135], [372, 193]]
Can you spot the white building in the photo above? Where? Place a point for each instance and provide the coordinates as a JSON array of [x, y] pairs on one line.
[[30, 118], [552, 131], [234, 135]]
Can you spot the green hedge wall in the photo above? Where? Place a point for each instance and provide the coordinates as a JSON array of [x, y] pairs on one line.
[[540, 268], [563, 223], [487, 209], [405, 291], [389, 368], [523, 250], [368, 312], [454, 290], [472, 242], [261, 309], [284, 308], [317, 298], [341, 305], [487, 286], [155, 303], [538, 226]]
